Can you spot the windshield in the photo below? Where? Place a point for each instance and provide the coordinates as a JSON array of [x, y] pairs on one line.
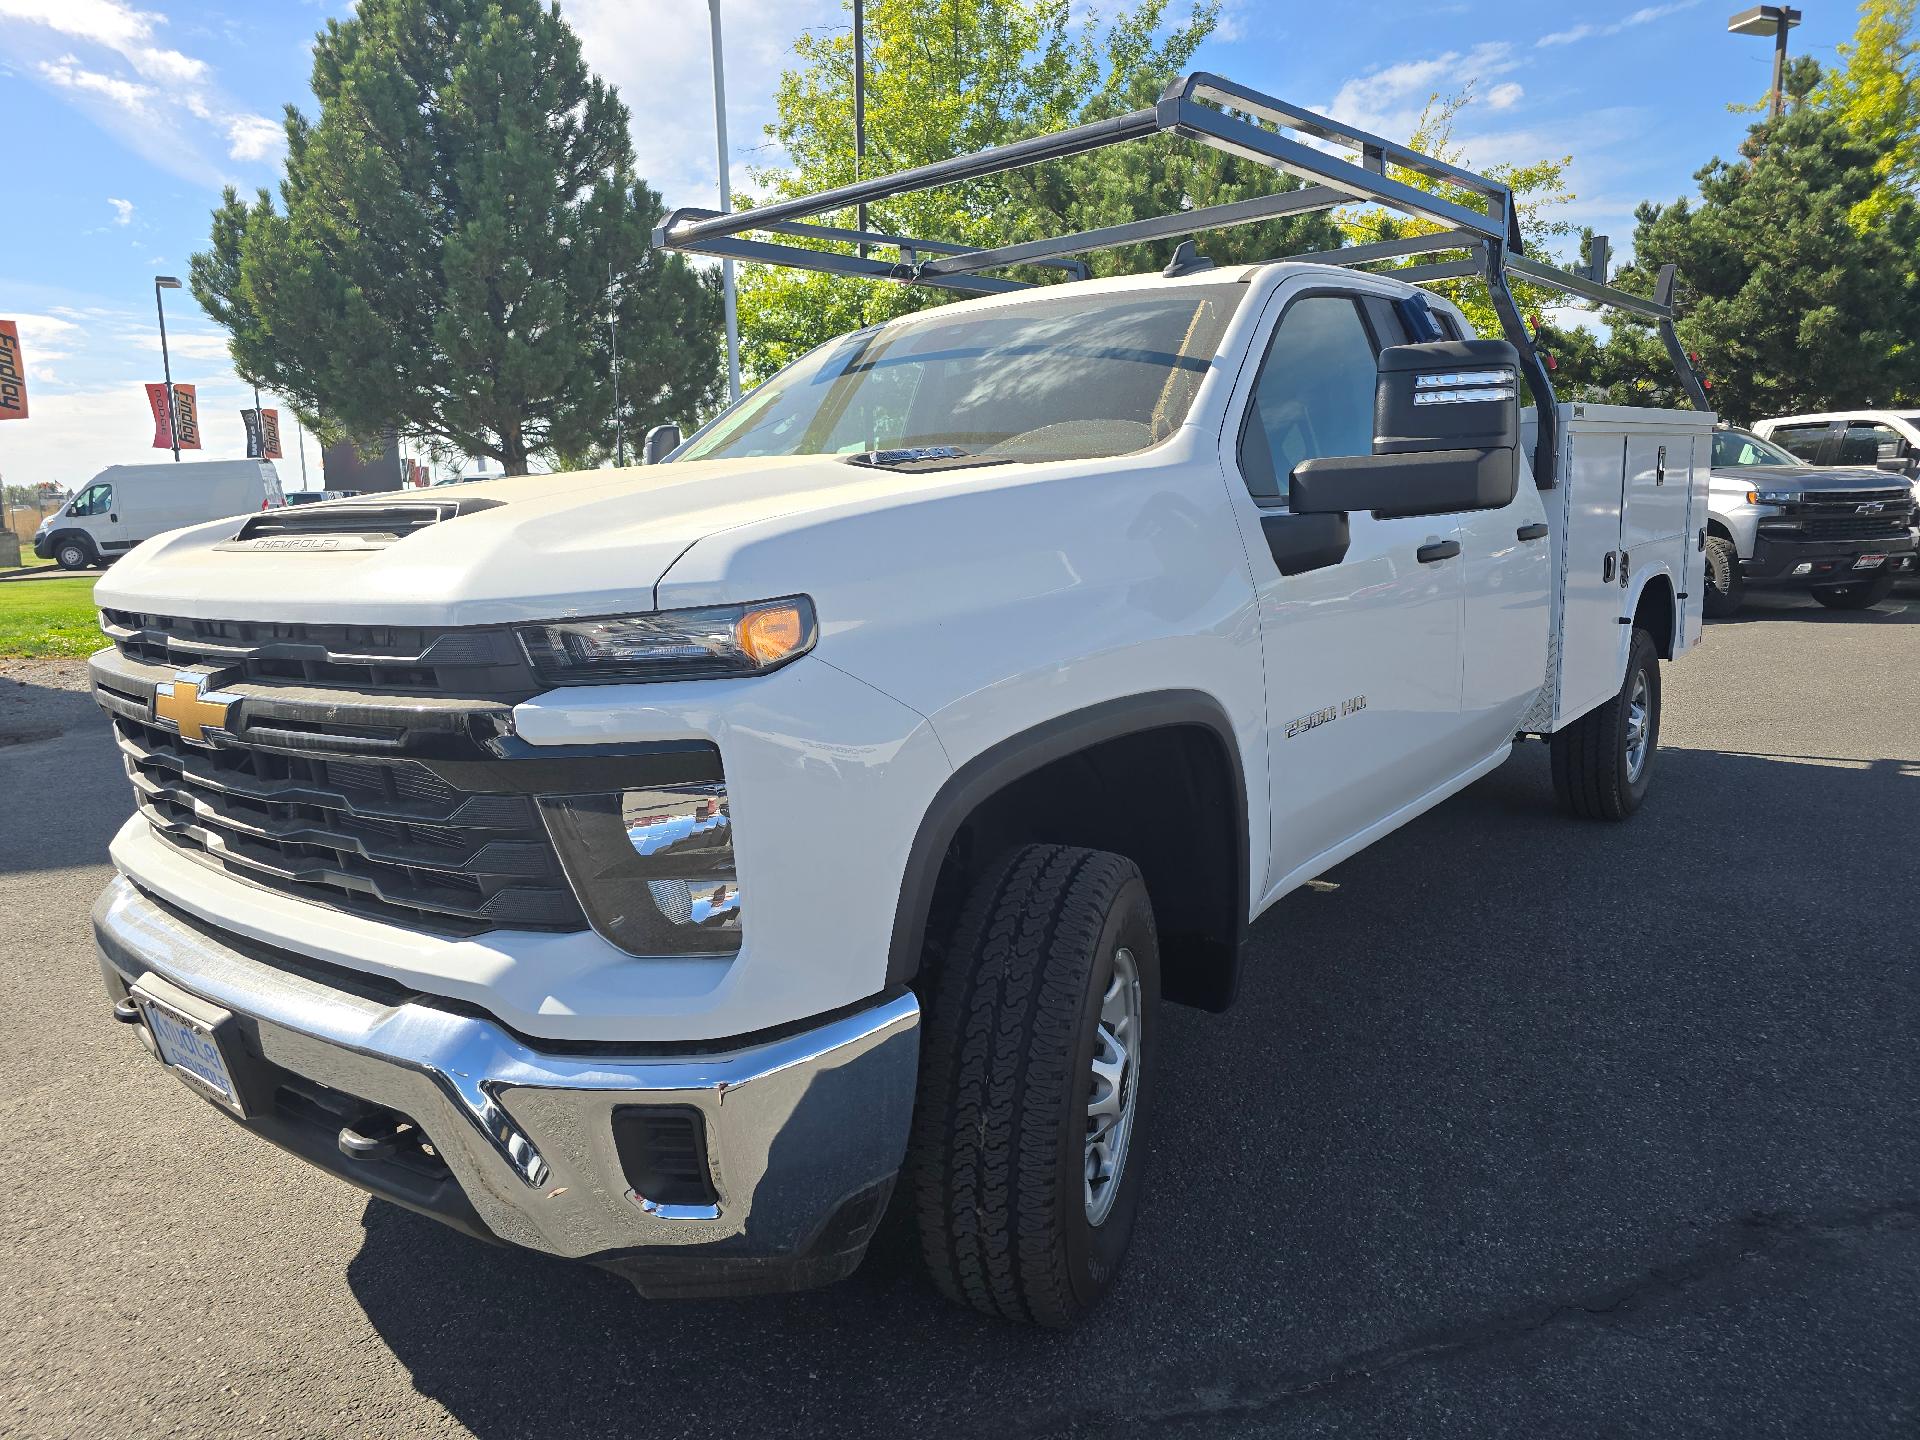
[[1732, 448], [1066, 378]]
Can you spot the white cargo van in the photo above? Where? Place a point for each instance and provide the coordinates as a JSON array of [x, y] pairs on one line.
[[125, 504]]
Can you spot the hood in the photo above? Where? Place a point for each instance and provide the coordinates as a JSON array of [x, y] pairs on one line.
[[593, 542], [1805, 477]]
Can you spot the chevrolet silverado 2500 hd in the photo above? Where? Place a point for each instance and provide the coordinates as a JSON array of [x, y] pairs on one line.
[[656, 867]]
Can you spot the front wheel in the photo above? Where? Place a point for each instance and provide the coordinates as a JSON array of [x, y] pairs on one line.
[[1603, 762], [1858, 595], [73, 554], [1726, 587], [1039, 1022]]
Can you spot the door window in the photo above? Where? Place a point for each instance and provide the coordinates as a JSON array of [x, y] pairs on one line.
[[1803, 440], [1865, 443], [94, 500], [1314, 394]]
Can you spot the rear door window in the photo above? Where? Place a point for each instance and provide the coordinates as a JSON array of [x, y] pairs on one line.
[[1867, 443], [1804, 441]]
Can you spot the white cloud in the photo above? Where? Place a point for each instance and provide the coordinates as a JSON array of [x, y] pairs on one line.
[[120, 28], [68, 74], [659, 58], [1586, 30], [1504, 96], [122, 210], [254, 137], [161, 103], [1389, 100]]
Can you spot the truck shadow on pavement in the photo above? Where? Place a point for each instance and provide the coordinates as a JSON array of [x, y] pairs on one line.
[[1503, 1088], [1902, 607]]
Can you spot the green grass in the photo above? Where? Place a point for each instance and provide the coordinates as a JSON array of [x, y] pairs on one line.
[[43, 618]]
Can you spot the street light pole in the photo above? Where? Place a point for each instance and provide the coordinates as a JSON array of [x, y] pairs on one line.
[[1774, 20], [613, 334], [726, 205], [860, 110], [167, 282]]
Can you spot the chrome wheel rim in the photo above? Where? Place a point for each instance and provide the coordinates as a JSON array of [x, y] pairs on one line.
[[1115, 1088], [1639, 725]]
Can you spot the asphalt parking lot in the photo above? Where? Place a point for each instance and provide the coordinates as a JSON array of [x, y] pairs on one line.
[[1521, 1126]]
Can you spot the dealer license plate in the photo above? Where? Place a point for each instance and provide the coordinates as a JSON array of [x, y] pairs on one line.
[[1869, 562], [189, 1049]]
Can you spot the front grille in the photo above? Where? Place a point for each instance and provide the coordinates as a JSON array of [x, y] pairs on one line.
[[378, 659], [1887, 526], [273, 801]]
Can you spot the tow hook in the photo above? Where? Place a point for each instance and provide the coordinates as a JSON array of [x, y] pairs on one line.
[[125, 1011], [378, 1145]]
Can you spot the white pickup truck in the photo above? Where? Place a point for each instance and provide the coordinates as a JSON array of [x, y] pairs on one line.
[[655, 867]]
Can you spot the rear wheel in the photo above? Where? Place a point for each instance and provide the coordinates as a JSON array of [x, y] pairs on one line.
[[1725, 587], [73, 553], [1857, 596], [1603, 762], [1040, 1018]]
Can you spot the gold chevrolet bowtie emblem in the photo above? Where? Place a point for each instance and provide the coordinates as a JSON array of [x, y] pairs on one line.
[[184, 701]]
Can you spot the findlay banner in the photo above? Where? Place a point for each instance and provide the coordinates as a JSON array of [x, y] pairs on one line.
[[263, 433], [13, 374], [187, 410]]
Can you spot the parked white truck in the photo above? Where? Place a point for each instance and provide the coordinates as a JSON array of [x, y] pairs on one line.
[[658, 867]]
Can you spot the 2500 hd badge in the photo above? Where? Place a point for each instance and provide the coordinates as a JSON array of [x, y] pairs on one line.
[[1321, 717]]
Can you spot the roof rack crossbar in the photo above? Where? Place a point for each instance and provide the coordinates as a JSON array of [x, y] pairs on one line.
[[1134, 232], [1213, 111]]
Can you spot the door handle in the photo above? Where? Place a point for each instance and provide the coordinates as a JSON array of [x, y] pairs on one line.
[[113, 518], [1531, 532], [1438, 550]]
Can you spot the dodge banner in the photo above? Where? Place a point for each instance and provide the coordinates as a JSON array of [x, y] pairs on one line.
[[13, 374], [162, 421]]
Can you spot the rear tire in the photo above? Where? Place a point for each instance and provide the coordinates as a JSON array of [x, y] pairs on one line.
[[1038, 1028], [1603, 762], [1725, 587], [74, 554], [1857, 596]]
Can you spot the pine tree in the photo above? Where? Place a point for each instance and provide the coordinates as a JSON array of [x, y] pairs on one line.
[[1790, 304], [440, 259]]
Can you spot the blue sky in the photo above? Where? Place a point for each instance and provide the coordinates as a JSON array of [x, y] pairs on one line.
[[124, 118]]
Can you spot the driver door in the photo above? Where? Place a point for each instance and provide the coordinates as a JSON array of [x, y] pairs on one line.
[[1362, 657]]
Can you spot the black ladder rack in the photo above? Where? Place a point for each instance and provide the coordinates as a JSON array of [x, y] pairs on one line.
[[1211, 111]]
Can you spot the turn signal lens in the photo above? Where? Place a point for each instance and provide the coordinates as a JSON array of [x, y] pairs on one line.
[[771, 633]]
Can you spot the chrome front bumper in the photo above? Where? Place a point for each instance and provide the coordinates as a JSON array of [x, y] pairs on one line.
[[804, 1133]]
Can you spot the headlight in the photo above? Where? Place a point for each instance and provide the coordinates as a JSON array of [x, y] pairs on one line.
[[1773, 497], [653, 869], [704, 644]]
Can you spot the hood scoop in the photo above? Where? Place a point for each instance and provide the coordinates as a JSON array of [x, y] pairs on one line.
[[331, 529]]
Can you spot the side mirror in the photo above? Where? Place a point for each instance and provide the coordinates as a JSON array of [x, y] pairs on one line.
[[661, 441], [1446, 437]]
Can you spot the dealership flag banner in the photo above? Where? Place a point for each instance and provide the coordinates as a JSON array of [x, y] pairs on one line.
[[13, 374], [188, 411], [263, 434], [162, 422]]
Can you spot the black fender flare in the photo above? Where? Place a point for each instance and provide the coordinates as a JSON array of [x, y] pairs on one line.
[[1019, 755], [55, 537]]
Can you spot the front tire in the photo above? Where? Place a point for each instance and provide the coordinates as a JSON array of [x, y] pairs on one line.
[[1603, 762], [73, 554], [1725, 587], [1857, 596], [1038, 1028]]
